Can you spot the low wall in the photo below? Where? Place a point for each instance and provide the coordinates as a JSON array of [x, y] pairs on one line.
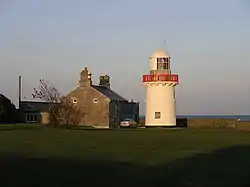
[[218, 123], [223, 123], [243, 125], [211, 123]]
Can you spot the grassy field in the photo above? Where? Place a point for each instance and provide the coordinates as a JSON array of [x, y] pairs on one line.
[[33, 156]]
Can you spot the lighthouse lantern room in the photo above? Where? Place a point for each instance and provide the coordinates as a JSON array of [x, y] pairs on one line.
[[160, 91]]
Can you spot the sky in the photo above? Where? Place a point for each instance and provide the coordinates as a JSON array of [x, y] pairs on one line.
[[208, 40]]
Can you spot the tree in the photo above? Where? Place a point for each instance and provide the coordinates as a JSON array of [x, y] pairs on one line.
[[62, 112], [8, 112], [1, 108]]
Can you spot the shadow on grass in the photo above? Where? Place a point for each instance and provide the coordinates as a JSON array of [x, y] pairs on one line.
[[226, 167]]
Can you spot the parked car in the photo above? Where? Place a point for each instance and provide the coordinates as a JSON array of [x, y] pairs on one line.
[[128, 123]]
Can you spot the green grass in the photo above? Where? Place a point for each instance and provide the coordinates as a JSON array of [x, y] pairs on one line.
[[143, 157]]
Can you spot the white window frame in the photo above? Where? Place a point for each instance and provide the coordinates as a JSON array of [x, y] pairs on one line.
[[95, 100], [74, 100], [32, 116]]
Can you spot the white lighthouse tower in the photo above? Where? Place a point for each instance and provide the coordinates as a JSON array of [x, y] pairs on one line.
[[160, 91]]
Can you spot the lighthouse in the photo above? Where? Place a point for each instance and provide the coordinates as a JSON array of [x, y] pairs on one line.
[[160, 91]]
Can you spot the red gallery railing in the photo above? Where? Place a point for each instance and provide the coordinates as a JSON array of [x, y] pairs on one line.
[[160, 77]]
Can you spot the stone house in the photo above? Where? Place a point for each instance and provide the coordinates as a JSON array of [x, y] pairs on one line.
[[102, 107]]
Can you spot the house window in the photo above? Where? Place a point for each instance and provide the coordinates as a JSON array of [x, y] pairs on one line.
[[157, 115], [95, 100], [31, 119], [74, 101]]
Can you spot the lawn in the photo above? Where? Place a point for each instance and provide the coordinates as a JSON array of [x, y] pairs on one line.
[[143, 157]]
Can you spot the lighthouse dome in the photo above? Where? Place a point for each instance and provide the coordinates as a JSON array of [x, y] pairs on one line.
[[160, 53]]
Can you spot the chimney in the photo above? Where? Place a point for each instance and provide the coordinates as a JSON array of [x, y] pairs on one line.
[[104, 81], [85, 78], [19, 90]]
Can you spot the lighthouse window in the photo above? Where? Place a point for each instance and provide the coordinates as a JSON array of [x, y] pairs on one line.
[[162, 59], [159, 59], [157, 115], [164, 65], [158, 65]]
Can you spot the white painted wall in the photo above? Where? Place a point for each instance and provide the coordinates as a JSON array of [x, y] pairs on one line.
[[160, 98], [153, 63]]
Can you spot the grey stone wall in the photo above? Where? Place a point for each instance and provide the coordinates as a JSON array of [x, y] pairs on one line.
[[94, 106], [211, 123]]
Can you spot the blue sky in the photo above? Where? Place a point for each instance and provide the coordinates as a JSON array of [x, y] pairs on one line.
[[209, 42]]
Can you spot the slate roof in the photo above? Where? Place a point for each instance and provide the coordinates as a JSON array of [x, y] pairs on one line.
[[34, 106], [37, 106], [109, 93]]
